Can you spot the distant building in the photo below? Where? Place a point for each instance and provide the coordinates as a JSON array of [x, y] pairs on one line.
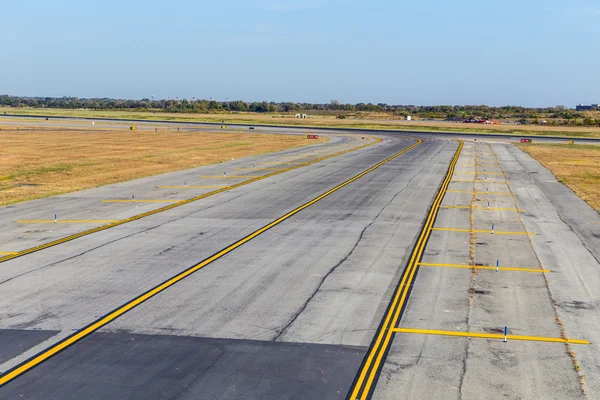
[[408, 118], [591, 107]]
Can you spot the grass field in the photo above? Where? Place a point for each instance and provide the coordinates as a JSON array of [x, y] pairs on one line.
[[577, 166], [39, 162], [366, 121]]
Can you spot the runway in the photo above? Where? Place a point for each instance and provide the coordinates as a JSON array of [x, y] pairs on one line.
[[280, 287]]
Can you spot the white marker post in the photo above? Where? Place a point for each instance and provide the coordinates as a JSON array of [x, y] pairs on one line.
[[505, 332], [184, 184], [133, 198], [224, 174], [486, 190], [497, 265], [253, 166], [492, 229], [54, 218], [278, 161], [488, 205]]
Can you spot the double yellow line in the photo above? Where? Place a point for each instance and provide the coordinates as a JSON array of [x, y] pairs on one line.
[[174, 205], [111, 316], [369, 371]]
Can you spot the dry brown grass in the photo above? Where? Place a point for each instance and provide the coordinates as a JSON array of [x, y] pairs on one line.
[[38, 162], [577, 166]]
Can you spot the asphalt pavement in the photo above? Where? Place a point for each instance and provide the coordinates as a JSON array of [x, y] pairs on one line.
[[292, 312]]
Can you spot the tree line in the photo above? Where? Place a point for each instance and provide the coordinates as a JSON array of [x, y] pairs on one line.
[[455, 112]]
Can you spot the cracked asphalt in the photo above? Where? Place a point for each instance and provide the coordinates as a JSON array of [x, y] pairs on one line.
[[287, 315], [291, 313], [559, 303]]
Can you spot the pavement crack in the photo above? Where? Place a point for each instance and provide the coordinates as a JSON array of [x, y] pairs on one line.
[[114, 241], [76, 255], [331, 270]]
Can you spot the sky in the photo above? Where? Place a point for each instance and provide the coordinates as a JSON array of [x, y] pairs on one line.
[[498, 52]]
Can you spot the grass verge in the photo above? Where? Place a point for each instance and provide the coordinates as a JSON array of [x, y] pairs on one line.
[[577, 166], [37, 163]]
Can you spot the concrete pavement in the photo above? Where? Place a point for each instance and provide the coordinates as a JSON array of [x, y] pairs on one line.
[[263, 290], [292, 313]]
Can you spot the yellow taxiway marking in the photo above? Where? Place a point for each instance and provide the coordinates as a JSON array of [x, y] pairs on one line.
[[258, 169], [140, 201], [193, 187], [8, 252], [482, 165], [490, 336], [366, 378], [66, 221], [495, 232], [490, 267], [281, 162], [485, 208], [182, 203], [478, 173], [229, 176], [477, 180], [75, 337], [471, 192]]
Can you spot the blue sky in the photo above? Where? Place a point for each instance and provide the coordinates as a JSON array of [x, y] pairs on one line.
[[527, 52]]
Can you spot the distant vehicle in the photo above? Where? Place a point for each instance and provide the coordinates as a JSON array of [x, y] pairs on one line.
[[251, 127]]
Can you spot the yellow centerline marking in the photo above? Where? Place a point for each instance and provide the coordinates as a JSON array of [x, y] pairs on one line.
[[102, 321], [65, 221], [8, 252], [490, 336], [193, 187], [490, 267], [368, 371], [229, 176], [184, 202], [482, 231], [140, 201], [485, 208]]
